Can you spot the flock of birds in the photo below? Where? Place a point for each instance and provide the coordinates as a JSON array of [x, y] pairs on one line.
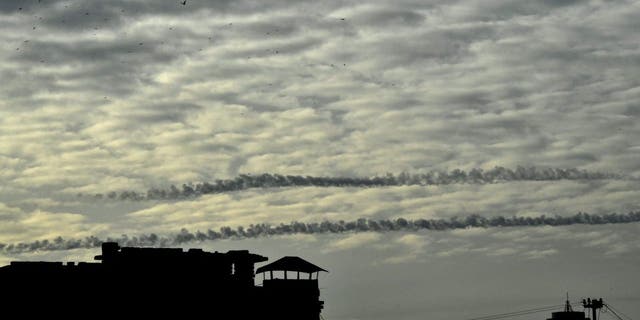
[[98, 25], [96, 28]]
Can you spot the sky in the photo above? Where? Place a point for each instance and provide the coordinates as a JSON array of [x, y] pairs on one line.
[[115, 97]]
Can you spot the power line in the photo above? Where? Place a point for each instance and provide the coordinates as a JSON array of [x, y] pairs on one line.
[[617, 312], [517, 313]]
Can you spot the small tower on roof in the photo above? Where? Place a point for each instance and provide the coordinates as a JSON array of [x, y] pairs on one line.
[[295, 297], [294, 264]]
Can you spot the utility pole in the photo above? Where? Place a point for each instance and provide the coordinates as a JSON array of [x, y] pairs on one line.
[[593, 304]]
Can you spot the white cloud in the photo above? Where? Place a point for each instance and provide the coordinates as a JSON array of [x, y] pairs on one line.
[[412, 248], [540, 254], [353, 241], [26, 226]]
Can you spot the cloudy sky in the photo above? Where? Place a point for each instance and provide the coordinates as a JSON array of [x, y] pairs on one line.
[[112, 96]]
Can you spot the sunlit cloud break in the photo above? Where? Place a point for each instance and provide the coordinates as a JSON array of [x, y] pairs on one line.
[[434, 177], [324, 227]]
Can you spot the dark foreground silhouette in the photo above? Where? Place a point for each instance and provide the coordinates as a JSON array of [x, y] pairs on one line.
[[158, 282], [593, 304], [569, 314]]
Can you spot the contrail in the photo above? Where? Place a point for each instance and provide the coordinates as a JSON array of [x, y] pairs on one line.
[[324, 227], [267, 180]]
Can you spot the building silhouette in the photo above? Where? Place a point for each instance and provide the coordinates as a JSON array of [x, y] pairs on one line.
[[162, 282], [570, 314], [301, 292]]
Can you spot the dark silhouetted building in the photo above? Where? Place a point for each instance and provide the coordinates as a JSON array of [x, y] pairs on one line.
[[569, 314], [300, 291], [160, 282]]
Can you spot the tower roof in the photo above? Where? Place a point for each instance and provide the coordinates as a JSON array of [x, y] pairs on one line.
[[290, 264]]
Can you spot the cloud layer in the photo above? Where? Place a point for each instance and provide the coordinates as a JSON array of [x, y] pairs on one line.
[[141, 95], [133, 95]]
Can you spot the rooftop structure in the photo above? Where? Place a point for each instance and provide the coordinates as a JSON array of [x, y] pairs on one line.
[[568, 313], [294, 264], [150, 282]]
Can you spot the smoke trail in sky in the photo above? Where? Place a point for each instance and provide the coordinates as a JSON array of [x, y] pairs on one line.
[[325, 227], [266, 180]]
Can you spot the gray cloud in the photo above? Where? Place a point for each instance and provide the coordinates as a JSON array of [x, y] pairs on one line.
[[135, 95], [460, 88], [388, 18], [220, 88]]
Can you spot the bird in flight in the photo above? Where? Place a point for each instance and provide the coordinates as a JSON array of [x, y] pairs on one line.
[[184, 3]]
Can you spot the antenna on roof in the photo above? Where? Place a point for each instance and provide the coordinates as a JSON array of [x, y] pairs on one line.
[[567, 305]]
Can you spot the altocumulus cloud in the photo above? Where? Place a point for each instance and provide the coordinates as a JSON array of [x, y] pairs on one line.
[[129, 95], [135, 96]]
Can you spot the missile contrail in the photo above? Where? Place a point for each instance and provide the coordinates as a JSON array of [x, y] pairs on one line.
[[267, 180], [324, 227]]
